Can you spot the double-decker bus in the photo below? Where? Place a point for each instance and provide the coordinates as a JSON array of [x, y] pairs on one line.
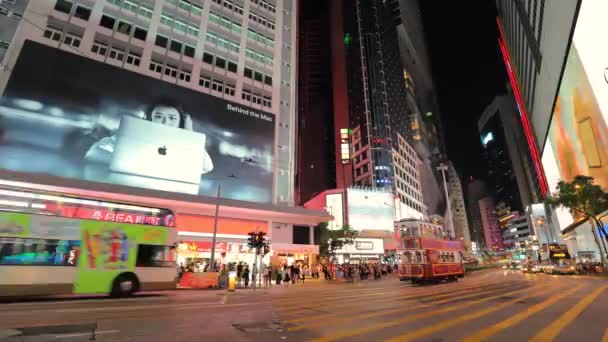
[[430, 260], [53, 244]]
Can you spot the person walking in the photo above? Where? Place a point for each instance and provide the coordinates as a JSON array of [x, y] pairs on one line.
[[268, 276], [246, 275]]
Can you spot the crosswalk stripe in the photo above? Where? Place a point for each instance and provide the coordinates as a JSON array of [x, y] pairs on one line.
[[456, 321], [554, 329], [316, 305], [328, 321], [387, 324], [498, 327]]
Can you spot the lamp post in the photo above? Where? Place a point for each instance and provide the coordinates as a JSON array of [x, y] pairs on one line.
[[217, 211], [443, 168]]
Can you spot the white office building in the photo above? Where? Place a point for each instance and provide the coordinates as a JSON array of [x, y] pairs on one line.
[[457, 205], [409, 203], [240, 50]]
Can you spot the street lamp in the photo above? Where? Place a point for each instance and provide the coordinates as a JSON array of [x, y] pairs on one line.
[[443, 168], [217, 211]]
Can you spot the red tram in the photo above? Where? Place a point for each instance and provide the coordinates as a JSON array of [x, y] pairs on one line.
[[430, 260]]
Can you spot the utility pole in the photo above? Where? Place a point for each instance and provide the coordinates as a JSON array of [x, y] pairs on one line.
[[443, 168], [217, 211]]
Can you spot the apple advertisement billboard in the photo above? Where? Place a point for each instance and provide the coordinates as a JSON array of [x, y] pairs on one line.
[[68, 116]]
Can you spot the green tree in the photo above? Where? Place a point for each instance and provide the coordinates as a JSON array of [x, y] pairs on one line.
[[586, 201], [331, 240]]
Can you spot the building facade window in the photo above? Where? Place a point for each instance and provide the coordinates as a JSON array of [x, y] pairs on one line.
[[133, 58], [259, 37], [156, 66], [63, 6], [204, 81], [82, 12], [117, 54], [259, 56], [99, 48], [135, 7], [52, 33], [260, 19], [220, 40], [225, 22], [265, 5], [72, 39]]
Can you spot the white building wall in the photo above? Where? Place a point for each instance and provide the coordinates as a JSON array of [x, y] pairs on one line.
[[409, 201], [40, 14], [459, 213]]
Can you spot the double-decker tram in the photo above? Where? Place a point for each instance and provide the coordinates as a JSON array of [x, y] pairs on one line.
[[430, 259], [56, 244]]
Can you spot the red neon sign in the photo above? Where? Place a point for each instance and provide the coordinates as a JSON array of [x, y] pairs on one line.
[[538, 166]]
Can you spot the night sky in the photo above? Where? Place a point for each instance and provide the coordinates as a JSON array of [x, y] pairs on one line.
[[468, 71]]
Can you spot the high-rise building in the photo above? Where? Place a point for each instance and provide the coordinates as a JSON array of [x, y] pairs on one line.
[[408, 184], [534, 41], [491, 228], [377, 95], [316, 165], [185, 105], [495, 133], [516, 233], [242, 51], [11, 13], [475, 191], [458, 207]]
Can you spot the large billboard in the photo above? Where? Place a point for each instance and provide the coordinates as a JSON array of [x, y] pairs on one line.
[[69, 116], [370, 210], [577, 143]]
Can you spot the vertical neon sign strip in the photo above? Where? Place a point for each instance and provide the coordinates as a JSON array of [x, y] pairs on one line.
[[523, 114]]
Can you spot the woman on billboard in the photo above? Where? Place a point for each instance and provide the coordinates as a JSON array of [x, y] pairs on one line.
[[101, 156]]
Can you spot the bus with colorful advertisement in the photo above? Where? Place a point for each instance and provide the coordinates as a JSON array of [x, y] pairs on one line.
[[43, 252], [430, 260]]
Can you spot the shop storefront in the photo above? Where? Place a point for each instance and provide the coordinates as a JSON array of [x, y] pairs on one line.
[[363, 250], [196, 255], [288, 254]]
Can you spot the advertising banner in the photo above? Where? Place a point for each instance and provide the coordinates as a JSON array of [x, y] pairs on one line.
[[69, 116], [577, 142], [370, 210]]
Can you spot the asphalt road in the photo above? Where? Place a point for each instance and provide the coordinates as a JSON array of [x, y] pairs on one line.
[[489, 305]]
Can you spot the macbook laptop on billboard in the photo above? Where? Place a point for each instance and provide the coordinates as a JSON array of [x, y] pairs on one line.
[[156, 156]]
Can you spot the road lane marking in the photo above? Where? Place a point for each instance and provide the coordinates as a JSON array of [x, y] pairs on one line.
[[450, 323], [490, 331], [374, 292], [375, 327], [86, 334], [297, 309], [554, 329], [327, 318]]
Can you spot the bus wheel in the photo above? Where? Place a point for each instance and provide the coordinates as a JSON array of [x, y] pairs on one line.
[[125, 285]]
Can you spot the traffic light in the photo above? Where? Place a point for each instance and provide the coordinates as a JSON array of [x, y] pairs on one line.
[[260, 239], [251, 240]]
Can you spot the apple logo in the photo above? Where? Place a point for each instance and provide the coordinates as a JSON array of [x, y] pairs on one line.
[[162, 151]]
